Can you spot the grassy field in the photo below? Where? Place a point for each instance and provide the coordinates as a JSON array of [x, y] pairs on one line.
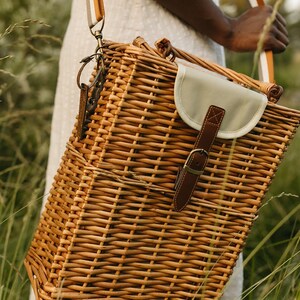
[[30, 39]]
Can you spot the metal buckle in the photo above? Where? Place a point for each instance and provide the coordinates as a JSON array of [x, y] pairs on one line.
[[189, 169]]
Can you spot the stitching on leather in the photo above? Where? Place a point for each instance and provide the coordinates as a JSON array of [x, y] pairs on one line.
[[217, 122], [185, 172], [215, 119]]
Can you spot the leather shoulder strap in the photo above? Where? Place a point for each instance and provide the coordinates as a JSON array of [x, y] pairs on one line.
[[95, 12]]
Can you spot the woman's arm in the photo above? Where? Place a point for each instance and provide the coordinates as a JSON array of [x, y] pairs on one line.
[[238, 34]]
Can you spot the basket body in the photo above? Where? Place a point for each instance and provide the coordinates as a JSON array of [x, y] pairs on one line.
[[109, 230]]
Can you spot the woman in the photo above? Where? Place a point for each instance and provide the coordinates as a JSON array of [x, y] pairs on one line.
[[199, 28]]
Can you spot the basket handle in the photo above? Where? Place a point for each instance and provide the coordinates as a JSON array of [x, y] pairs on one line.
[[96, 14], [266, 62], [272, 90]]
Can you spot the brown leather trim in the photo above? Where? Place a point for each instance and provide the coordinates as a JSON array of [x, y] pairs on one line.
[[84, 89], [99, 9], [198, 157]]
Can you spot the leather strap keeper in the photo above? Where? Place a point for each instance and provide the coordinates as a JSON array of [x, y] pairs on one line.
[[197, 159]]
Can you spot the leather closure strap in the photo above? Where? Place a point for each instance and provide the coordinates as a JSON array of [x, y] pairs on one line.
[[198, 157]]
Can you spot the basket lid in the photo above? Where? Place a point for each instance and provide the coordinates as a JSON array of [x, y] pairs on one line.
[[196, 90]]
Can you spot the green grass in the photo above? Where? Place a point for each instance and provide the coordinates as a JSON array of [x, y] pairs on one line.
[[272, 253], [30, 40]]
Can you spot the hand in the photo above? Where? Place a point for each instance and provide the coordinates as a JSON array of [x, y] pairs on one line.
[[246, 31]]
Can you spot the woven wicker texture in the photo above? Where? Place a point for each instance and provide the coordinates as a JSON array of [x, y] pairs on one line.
[[109, 230]]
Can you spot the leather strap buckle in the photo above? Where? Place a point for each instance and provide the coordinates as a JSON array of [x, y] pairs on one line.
[[197, 159], [186, 166]]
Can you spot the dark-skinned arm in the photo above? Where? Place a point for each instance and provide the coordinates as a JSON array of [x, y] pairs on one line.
[[237, 34]]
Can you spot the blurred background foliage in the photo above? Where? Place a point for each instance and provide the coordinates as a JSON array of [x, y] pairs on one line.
[[31, 33], [286, 64], [275, 235]]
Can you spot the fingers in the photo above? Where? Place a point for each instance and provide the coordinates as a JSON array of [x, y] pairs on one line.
[[276, 42], [280, 19], [247, 29], [277, 39], [281, 24], [281, 36], [275, 45]]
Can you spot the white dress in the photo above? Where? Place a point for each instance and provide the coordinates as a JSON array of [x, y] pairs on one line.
[[144, 18]]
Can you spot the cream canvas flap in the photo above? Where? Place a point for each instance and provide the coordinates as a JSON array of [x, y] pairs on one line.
[[196, 90]]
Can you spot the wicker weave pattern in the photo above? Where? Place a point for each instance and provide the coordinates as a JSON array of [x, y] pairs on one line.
[[109, 230]]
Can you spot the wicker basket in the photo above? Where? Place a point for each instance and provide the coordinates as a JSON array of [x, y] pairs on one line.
[[109, 230]]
